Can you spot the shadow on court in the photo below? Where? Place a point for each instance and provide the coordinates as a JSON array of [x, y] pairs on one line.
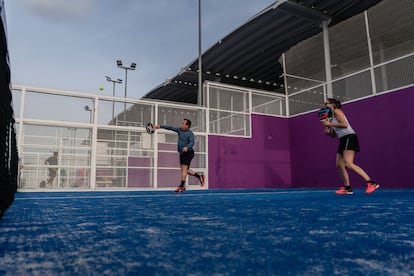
[[254, 232]]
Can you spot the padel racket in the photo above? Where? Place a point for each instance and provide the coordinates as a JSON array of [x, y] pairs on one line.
[[330, 132], [324, 113], [149, 128]]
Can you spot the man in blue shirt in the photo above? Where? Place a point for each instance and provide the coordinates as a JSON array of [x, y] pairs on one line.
[[185, 149]]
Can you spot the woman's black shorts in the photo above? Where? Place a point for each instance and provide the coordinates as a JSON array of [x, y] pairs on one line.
[[348, 142], [186, 157]]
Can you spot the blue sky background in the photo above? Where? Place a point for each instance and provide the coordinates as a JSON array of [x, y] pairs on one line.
[[72, 45]]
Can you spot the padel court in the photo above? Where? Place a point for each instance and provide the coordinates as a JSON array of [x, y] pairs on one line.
[[234, 232], [269, 206]]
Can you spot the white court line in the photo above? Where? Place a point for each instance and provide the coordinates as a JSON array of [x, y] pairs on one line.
[[186, 194]]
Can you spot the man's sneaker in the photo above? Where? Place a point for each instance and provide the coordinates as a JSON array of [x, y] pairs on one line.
[[202, 180], [371, 187], [180, 189], [343, 191]]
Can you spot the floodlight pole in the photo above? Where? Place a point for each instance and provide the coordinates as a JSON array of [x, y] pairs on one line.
[[327, 54], [113, 92], [200, 74], [132, 67]]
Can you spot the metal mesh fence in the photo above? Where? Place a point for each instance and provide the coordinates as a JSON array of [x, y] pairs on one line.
[[222, 122], [391, 27], [395, 74], [124, 159], [112, 112], [72, 167], [173, 116], [268, 104], [352, 87], [349, 47], [306, 100], [230, 107], [57, 107], [228, 110], [226, 98], [305, 66], [370, 53]]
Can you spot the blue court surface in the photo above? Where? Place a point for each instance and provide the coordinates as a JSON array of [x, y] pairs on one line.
[[238, 232]]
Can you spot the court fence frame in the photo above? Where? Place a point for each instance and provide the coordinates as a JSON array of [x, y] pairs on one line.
[[81, 141]]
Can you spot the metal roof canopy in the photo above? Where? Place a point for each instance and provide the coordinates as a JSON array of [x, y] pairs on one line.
[[249, 56]]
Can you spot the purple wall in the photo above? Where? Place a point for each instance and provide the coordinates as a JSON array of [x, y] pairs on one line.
[[260, 162], [138, 178], [386, 134], [296, 153]]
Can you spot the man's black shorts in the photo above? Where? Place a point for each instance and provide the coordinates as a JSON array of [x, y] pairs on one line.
[[52, 172], [186, 157], [348, 142]]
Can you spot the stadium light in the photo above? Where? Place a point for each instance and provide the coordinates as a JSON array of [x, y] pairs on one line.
[[132, 67], [119, 81], [88, 109]]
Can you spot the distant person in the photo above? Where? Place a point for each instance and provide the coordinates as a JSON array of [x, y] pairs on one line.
[[52, 161], [348, 146], [62, 177], [185, 149]]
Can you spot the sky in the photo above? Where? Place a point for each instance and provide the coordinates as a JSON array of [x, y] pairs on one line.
[[73, 45]]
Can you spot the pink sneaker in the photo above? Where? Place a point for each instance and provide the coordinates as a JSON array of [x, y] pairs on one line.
[[180, 189], [202, 180], [371, 187], [343, 191]]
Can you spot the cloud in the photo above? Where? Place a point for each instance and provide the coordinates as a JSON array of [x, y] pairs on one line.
[[58, 10]]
